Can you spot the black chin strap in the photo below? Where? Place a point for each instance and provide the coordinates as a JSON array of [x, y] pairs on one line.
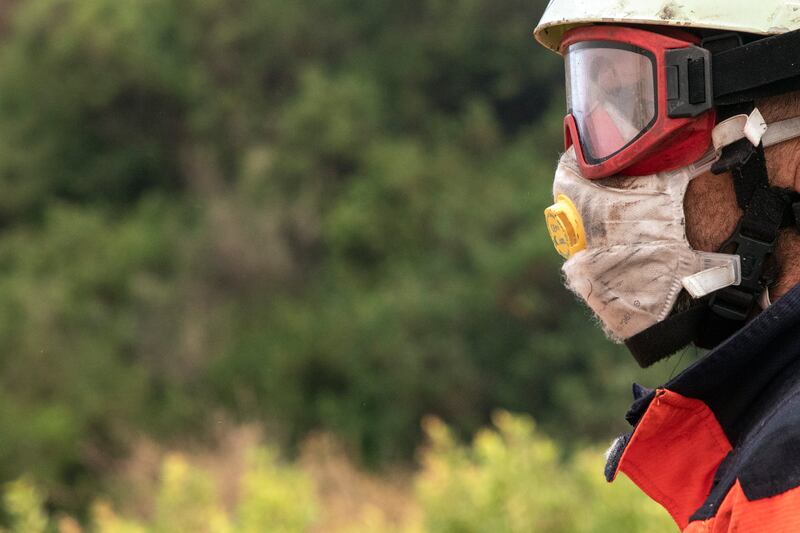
[[766, 211], [740, 74], [669, 336]]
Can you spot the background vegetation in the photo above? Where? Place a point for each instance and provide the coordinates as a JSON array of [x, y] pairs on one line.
[[509, 480], [318, 215]]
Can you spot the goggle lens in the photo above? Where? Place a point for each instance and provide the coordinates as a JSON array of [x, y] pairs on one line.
[[611, 93]]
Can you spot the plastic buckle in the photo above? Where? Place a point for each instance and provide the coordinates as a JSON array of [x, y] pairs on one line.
[[735, 303], [688, 73], [734, 155]]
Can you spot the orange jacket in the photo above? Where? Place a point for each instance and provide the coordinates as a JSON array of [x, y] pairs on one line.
[[719, 446]]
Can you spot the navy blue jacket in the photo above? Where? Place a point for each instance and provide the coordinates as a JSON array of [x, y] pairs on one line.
[[719, 445]]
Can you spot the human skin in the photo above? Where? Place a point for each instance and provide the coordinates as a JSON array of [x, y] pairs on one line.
[[710, 202]]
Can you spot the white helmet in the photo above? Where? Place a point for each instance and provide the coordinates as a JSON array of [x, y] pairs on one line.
[[637, 96], [766, 17]]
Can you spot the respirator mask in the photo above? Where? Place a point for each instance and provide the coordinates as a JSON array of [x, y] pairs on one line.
[[625, 244], [642, 123]]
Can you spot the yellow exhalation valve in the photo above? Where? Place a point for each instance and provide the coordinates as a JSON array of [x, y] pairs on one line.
[[565, 226]]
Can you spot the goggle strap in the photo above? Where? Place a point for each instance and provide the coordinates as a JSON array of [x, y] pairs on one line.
[[754, 67]]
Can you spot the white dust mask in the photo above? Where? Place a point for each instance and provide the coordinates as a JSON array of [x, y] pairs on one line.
[[625, 238], [635, 258]]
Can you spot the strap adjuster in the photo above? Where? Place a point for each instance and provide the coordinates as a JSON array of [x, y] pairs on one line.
[[732, 303], [736, 302]]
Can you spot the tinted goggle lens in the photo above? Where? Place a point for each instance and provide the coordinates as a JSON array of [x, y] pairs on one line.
[[611, 93]]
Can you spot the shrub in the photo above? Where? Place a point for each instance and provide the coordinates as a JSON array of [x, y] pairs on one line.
[[307, 214], [511, 479]]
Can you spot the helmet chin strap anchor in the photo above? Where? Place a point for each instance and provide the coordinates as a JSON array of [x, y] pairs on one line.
[[767, 210], [740, 141]]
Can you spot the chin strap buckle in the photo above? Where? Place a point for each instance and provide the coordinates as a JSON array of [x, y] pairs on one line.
[[736, 302]]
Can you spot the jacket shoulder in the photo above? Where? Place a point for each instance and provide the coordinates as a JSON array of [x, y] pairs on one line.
[[778, 514], [757, 486], [769, 459]]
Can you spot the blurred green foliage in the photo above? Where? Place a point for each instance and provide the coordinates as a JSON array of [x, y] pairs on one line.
[[309, 214], [271, 497], [510, 480]]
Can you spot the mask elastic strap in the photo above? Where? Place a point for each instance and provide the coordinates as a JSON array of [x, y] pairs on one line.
[[781, 131], [764, 301], [730, 149], [753, 128]]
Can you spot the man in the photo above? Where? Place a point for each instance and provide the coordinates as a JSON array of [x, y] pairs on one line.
[[677, 209]]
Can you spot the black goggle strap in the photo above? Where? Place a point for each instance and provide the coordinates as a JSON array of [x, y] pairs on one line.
[[722, 71], [765, 67]]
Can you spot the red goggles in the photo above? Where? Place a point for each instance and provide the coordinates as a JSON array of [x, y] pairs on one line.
[[638, 102]]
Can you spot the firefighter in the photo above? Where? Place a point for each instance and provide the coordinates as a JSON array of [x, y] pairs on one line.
[[677, 208]]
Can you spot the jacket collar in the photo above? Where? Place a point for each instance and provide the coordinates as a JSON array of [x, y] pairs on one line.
[[730, 378], [685, 429]]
